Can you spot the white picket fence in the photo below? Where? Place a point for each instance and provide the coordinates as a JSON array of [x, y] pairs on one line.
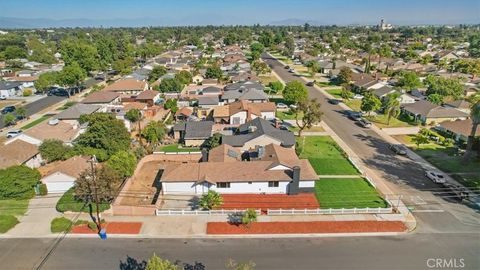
[[329, 211], [160, 212]]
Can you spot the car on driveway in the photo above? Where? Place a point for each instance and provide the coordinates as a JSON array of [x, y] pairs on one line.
[[363, 123], [334, 101], [8, 109], [355, 116], [435, 177], [397, 149], [282, 106], [3, 97], [14, 133]]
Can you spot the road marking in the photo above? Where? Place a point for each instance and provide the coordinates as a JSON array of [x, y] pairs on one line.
[[429, 211], [417, 200]]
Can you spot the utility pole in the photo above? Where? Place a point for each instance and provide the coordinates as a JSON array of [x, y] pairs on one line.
[[93, 161]]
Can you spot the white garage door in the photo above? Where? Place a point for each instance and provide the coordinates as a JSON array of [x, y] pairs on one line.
[[59, 187]]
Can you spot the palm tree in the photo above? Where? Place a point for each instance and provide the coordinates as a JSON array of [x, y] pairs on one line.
[[211, 200], [475, 116], [392, 106], [134, 116], [346, 92]]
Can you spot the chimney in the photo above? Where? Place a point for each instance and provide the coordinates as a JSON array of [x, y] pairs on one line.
[[295, 184], [204, 155]]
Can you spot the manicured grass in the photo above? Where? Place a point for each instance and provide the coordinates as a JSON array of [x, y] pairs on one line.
[[67, 105], [325, 84], [60, 224], [178, 148], [337, 93], [347, 193], [287, 115], [7, 222], [68, 203], [326, 157], [13, 207], [294, 128], [381, 121], [35, 122], [266, 79], [446, 160], [354, 104]]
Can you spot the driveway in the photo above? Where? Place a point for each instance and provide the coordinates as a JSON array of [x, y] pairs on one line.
[[36, 222]]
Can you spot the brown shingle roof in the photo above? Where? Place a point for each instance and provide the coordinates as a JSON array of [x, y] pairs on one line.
[[224, 153], [147, 95], [461, 127], [126, 85], [61, 131], [72, 167], [100, 97], [16, 153]]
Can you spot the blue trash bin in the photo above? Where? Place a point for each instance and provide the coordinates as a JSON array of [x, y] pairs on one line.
[[103, 234]]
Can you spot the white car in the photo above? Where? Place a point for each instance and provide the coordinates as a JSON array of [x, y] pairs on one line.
[[282, 106], [357, 96], [293, 106], [3, 97], [13, 133], [435, 177]]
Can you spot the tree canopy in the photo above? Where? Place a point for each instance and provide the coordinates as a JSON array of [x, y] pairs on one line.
[[295, 92], [17, 182]]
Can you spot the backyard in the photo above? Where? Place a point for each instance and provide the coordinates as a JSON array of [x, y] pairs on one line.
[[326, 157], [347, 193]]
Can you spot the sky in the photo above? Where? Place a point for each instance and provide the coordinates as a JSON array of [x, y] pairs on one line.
[[218, 12]]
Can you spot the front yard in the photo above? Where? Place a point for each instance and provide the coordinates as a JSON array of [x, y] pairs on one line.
[[347, 193], [326, 157], [68, 203], [287, 115], [381, 121], [10, 210], [178, 148]]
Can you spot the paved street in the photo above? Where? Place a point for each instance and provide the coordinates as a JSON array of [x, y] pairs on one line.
[[403, 252], [38, 106]]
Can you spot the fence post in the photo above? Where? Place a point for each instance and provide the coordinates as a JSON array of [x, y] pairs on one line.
[[368, 210]]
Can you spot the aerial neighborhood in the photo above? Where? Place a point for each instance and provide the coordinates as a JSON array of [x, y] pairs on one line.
[[273, 124]]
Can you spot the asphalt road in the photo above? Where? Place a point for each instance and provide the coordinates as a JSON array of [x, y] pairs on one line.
[[37, 106], [404, 252]]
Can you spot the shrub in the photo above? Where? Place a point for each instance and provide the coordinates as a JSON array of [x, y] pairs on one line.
[[43, 190], [249, 216], [17, 182], [60, 224], [27, 92], [211, 200]]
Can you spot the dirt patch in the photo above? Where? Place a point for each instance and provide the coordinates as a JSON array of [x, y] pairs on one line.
[[111, 227], [269, 201], [141, 190], [306, 227]]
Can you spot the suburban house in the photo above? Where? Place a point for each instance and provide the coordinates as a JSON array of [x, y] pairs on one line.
[[150, 97], [183, 114], [10, 89], [428, 112], [127, 87], [72, 114], [275, 170], [53, 129], [383, 91], [102, 98], [26, 81], [460, 104], [460, 129], [60, 177], [259, 132], [240, 112], [193, 133], [248, 94], [19, 152]]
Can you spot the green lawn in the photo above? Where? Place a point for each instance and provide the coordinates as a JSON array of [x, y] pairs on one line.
[[68, 203], [382, 122], [354, 104], [178, 148], [325, 84], [337, 93], [60, 224], [287, 115], [326, 157], [472, 181], [35, 122], [446, 160], [347, 193], [13, 207], [7, 222]]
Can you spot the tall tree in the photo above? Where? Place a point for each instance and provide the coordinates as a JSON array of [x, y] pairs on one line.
[[123, 163], [154, 132], [392, 106], [409, 80], [311, 114], [345, 75], [295, 92], [370, 102], [475, 116]]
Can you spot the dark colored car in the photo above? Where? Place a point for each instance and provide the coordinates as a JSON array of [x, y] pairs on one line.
[[287, 67], [8, 109], [334, 101], [59, 92], [355, 116], [397, 149], [310, 83]]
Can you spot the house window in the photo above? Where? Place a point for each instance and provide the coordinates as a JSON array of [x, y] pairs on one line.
[[249, 182], [273, 184], [223, 185]]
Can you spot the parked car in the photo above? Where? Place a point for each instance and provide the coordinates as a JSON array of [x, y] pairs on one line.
[[334, 101], [435, 177], [282, 106], [14, 133], [59, 92], [310, 83], [355, 116], [397, 149], [357, 96], [8, 109], [283, 127], [3, 97], [364, 123], [293, 106], [291, 70], [287, 67]]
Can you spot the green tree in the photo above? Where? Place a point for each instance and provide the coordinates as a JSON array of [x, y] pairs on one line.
[[276, 86], [260, 67], [170, 85], [295, 92], [249, 216], [54, 149], [446, 87], [210, 200], [345, 75], [475, 116], [71, 75], [46, 81], [157, 263], [171, 104], [214, 72], [311, 114], [435, 99], [392, 106], [105, 180], [420, 139], [80, 52], [370, 102], [9, 119], [21, 112], [256, 49], [17, 182], [346, 92], [133, 115], [409, 80], [184, 77], [156, 73], [212, 142], [104, 132], [14, 52], [154, 132], [123, 163]]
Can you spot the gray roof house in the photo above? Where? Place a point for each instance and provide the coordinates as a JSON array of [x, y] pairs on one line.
[[9, 89], [250, 94], [427, 112], [259, 132], [244, 85], [193, 133], [382, 91], [74, 112], [208, 101]]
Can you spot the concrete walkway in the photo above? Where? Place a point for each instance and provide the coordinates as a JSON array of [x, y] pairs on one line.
[[36, 221]]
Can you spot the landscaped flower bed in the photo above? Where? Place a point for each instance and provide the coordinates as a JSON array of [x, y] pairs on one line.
[[306, 227]]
